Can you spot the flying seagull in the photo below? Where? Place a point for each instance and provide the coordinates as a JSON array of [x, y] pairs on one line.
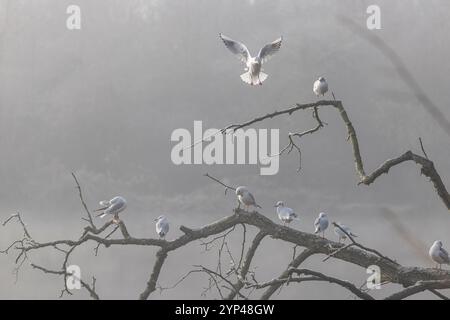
[[320, 86], [253, 74], [285, 214], [246, 198], [162, 226], [341, 234], [438, 254], [321, 224], [113, 207]]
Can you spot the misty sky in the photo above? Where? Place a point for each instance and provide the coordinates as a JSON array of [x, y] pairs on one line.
[[103, 101]]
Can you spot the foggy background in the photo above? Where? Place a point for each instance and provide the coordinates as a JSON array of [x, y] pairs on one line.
[[103, 101]]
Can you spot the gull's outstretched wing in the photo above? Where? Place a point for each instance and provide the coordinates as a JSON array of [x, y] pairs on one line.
[[269, 50], [239, 49]]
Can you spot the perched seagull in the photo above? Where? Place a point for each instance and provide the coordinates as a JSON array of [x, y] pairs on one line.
[[113, 206], [341, 234], [246, 198], [438, 254], [285, 214], [162, 226], [253, 74], [320, 87], [321, 224]]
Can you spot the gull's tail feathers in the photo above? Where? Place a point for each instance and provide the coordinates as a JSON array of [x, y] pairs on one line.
[[247, 78], [263, 76]]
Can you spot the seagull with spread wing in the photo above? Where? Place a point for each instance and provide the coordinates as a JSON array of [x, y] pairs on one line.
[[253, 74], [112, 207]]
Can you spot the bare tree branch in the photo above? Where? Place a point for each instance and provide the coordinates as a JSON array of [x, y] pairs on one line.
[[359, 256], [315, 276], [422, 148], [246, 266], [420, 287], [427, 166], [151, 284], [294, 264], [356, 244], [240, 281], [80, 193]]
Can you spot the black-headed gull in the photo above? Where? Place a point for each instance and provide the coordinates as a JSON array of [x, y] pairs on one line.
[[438, 254], [320, 86], [341, 234], [112, 207], [253, 74], [321, 223], [162, 226], [285, 214], [246, 198]]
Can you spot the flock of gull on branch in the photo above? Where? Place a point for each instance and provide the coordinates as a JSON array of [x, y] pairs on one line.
[[254, 75]]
